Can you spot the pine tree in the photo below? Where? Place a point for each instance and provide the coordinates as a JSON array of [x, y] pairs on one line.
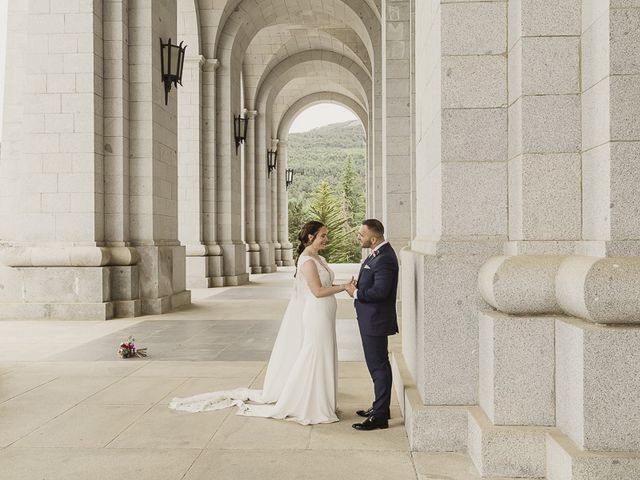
[[297, 218], [325, 207], [353, 204], [349, 189]]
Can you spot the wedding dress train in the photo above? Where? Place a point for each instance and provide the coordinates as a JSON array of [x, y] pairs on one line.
[[301, 379]]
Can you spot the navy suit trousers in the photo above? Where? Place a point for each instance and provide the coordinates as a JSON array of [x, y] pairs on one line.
[[377, 357]]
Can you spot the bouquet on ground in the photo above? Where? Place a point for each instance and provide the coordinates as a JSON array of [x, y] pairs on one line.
[[128, 349]]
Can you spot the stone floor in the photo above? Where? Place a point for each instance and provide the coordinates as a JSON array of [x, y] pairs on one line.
[[70, 409]]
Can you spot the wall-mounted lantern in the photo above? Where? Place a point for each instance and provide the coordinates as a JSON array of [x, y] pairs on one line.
[[171, 65], [239, 130], [289, 177], [272, 159]]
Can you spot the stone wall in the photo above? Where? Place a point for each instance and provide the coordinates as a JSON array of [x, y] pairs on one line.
[[88, 172], [524, 146]]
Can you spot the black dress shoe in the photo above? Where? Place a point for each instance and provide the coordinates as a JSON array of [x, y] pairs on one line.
[[365, 413], [371, 423]]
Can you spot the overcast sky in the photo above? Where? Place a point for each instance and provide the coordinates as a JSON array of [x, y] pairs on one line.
[[3, 42], [316, 116], [319, 115]]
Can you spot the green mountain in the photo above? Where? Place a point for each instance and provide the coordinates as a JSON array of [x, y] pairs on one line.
[[320, 154], [329, 185]]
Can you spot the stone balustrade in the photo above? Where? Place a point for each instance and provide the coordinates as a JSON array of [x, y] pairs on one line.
[[600, 290]]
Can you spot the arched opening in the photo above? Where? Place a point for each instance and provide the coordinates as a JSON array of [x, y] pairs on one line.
[[326, 149]]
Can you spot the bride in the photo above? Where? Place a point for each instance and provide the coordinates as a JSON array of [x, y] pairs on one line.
[[301, 380]]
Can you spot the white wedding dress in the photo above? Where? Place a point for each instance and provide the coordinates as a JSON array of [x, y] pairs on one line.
[[301, 380]]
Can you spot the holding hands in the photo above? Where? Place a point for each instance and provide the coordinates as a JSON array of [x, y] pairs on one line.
[[350, 287]]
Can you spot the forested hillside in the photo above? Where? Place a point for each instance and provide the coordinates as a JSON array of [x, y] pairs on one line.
[[320, 154], [329, 185]]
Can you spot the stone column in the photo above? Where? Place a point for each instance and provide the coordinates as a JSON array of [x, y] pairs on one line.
[[370, 207], [283, 207], [153, 166], [412, 115], [275, 210], [544, 127], [54, 261], [396, 150], [461, 193], [213, 253], [377, 140], [250, 193], [125, 280], [263, 197], [229, 176], [610, 129], [190, 180]]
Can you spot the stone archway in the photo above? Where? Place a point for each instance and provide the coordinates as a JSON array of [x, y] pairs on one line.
[[283, 125]]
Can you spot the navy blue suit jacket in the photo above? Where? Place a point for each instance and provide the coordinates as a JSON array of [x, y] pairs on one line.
[[377, 290]]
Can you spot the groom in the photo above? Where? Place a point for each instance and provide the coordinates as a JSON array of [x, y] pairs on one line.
[[374, 296]]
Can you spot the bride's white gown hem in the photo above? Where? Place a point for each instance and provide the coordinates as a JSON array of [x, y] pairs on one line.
[[301, 380]]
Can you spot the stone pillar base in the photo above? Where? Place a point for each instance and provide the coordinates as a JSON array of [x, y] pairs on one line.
[[56, 311], [278, 253], [440, 300], [127, 308], [156, 306], [234, 257], [566, 461], [204, 271], [69, 293], [287, 255], [267, 258], [235, 280], [253, 253], [163, 267], [429, 428]]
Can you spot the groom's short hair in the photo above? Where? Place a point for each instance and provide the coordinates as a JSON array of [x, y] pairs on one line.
[[375, 226]]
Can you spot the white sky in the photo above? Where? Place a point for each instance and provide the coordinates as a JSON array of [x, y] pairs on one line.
[[3, 43], [320, 115]]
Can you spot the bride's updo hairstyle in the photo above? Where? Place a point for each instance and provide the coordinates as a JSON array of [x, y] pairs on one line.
[[309, 228]]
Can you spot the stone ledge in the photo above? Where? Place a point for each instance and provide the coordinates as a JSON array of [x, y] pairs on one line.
[[429, 428], [56, 311], [506, 451], [157, 306], [565, 461]]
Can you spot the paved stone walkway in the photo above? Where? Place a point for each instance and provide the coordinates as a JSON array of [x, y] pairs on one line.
[[70, 409]]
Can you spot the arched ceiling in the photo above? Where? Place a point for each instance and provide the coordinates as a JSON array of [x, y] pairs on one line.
[[316, 98], [251, 16], [361, 15], [301, 88], [274, 44], [314, 65]]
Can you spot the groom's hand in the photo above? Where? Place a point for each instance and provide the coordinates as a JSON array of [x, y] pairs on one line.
[[351, 288]]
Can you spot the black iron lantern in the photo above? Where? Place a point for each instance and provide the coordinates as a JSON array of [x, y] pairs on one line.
[[239, 130], [272, 159], [171, 63], [289, 177]]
